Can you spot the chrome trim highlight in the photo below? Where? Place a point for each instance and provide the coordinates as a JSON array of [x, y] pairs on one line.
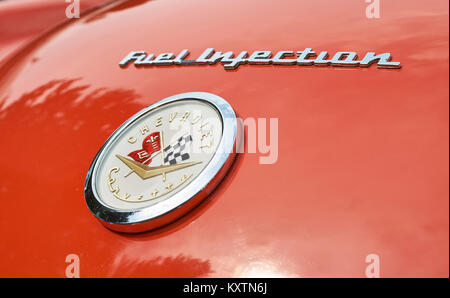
[[230, 62]]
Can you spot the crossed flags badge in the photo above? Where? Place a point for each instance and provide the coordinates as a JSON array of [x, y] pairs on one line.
[[173, 154]]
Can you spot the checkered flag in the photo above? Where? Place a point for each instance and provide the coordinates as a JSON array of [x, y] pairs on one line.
[[174, 153]]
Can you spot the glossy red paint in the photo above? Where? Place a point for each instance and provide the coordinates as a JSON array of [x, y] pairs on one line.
[[22, 21], [363, 153]]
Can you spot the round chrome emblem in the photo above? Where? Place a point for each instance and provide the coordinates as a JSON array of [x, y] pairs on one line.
[[162, 162]]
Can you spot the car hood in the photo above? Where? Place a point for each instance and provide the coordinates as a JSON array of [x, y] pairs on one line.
[[363, 153]]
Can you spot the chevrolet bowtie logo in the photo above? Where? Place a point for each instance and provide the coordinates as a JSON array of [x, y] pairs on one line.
[[307, 57]]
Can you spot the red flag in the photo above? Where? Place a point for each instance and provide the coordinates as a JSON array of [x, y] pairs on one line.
[[150, 145]]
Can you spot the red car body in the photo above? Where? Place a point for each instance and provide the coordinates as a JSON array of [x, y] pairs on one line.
[[363, 165]]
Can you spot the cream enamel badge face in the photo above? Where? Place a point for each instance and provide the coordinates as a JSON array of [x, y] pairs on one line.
[[162, 162], [159, 154]]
